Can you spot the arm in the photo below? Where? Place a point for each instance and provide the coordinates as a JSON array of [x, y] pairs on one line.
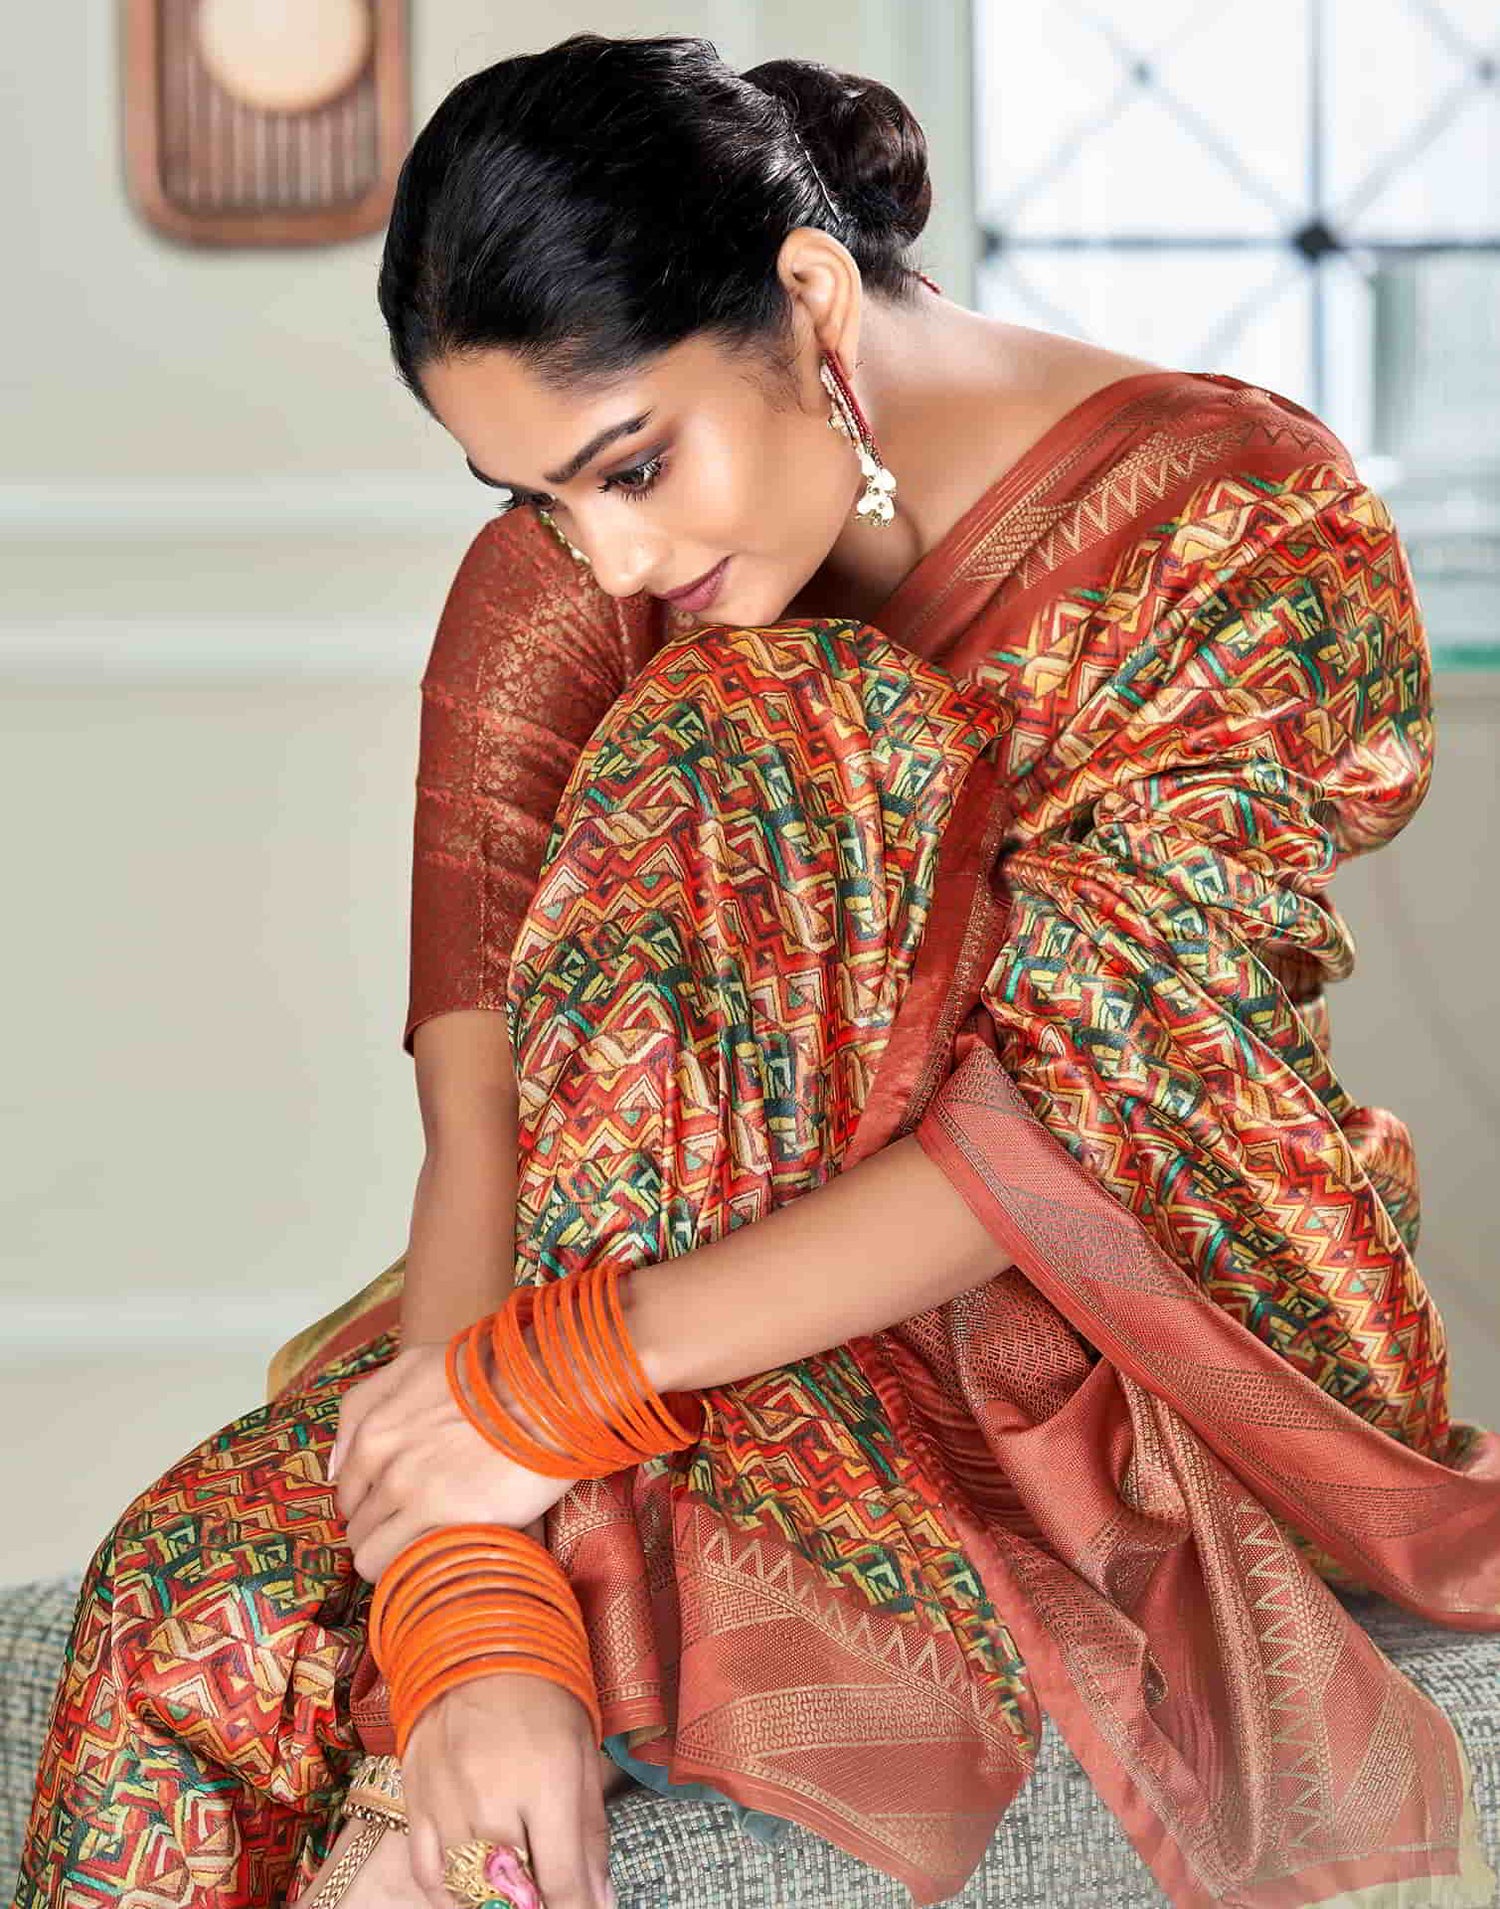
[[880, 1243], [527, 657], [461, 1256], [460, 1259]]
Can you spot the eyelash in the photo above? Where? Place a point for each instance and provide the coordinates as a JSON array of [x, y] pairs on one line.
[[655, 465]]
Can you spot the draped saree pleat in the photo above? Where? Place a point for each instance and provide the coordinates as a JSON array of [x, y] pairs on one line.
[[1037, 869]]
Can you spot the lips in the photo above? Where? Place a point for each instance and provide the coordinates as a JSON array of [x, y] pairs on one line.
[[701, 592]]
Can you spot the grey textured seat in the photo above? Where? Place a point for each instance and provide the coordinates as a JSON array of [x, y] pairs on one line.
[[1056, 1845]]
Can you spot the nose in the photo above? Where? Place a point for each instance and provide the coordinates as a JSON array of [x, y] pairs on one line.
[[623, 558]]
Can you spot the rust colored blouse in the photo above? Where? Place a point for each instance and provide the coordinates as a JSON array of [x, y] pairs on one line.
[[529, 654]]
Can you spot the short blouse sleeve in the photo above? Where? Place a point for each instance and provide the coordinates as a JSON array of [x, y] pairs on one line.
[[529, 654]]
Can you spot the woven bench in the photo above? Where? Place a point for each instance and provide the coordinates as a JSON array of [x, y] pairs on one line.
[[1056, 1845]]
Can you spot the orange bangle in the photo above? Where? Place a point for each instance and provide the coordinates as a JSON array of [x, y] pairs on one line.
[[439, 1556], [504, 1425], [654, 1421], [470, 1404], [430, 1631], [562, 1365], [606, 1322], [614, 1374], [575, 1306], [580, 1383], [539, 1648], [545, 1657], [506, 1623], [425, 1645], [500, 1427], [680, 1432], [513, 1365], [542, 1385], [418, 1591], [676, 1430], [441, 1628], [537, 1310]]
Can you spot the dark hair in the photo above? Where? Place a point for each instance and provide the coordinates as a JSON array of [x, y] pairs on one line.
[[594, 204]]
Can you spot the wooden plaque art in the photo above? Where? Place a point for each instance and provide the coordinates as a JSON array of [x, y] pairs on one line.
[[265, 122]]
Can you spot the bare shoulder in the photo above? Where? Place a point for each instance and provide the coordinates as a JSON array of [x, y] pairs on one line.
[[1016, 383], [1046, 374]]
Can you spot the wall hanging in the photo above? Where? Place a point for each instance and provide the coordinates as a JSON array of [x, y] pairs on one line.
[[265, 122]]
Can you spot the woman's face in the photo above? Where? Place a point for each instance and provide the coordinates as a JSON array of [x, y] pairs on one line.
[[704, 456]]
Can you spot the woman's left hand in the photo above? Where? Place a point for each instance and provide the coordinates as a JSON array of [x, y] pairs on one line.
[[406, 1461]]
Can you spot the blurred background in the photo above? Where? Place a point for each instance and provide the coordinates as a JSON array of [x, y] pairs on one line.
[[226, 534]]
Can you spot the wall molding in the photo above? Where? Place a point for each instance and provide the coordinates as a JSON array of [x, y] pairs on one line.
[[166, 1321], [161, 649], [374, 504], [295, 577]]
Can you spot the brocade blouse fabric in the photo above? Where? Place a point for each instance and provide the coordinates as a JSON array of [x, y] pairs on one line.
[[529, 654]]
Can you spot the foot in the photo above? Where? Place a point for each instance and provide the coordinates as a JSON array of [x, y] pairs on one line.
[[384, 1880]]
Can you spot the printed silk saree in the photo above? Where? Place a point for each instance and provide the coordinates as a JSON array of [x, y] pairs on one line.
[[1036, 867]]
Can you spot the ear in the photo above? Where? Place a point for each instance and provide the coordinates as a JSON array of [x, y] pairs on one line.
[[827, 293]]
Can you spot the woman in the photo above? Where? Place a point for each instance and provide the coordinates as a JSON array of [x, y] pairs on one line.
[[959, 866]]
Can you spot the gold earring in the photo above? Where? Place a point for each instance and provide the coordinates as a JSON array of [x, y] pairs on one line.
[[877, 502], [562, 537]]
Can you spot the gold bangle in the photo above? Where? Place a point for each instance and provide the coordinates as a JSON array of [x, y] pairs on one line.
[[375, 1792]]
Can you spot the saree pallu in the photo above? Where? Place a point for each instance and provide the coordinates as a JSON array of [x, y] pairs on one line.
[[1109, 1483]]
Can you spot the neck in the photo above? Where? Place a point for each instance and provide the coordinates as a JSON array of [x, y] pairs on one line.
[[915, 376]]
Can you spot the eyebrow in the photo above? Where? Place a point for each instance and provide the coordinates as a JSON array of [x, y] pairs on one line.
[[626, 428]]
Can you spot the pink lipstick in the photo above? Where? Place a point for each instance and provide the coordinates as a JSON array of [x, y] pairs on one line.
[[699, 594]]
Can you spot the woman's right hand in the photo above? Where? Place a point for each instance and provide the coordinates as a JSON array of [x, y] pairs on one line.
[[509, 1758]]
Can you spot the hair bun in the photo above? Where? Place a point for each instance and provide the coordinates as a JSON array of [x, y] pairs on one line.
[[863, 138]]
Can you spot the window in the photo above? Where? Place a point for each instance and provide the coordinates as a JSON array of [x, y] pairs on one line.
[[1307, 197]]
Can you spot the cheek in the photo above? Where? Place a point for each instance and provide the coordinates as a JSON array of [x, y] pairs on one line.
[[751, 487], [718, 507]]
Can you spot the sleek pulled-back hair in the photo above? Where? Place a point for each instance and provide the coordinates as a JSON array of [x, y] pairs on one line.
[[590, 206]]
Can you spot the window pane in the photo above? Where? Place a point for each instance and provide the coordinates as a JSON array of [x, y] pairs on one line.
[[1313, 206]]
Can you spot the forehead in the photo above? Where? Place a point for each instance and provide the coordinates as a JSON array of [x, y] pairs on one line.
[[515, 425]]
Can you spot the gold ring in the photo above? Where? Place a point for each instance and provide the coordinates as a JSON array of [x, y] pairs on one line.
[[490, 1876]]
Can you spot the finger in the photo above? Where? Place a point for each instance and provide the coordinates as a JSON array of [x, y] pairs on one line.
[[363, 1461], [595, 1822], [564, 1871], [378, 1504], [352, 1408], [356, 1406], [375, 1554], [427, 1862], [430, 1809], [342, 1470], [492, 1821]]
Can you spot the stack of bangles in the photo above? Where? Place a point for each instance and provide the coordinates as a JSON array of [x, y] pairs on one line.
[[468, 1600]]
